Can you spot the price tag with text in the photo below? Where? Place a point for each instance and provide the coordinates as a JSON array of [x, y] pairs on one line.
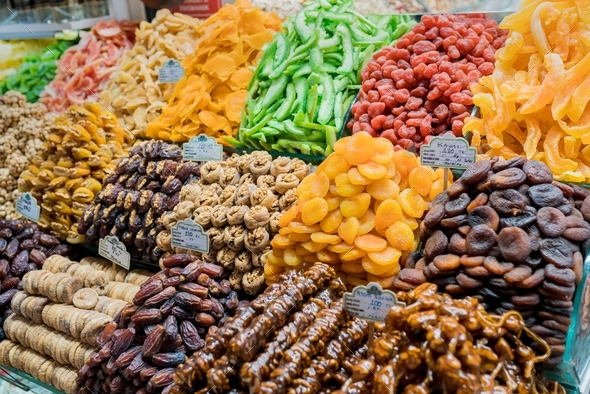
[[189, 235], [447, 151], [113, 250], [202, 148], [27, 206], [370, 302], [171, 71]]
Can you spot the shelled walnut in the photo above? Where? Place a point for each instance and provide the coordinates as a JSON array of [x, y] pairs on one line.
[[133, 199], [238, 202]]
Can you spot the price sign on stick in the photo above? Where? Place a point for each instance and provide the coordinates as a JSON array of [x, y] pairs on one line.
[[27, 206], [190, 235], [112, 249], [170, 72], [370, 303], [202, 148], [447, 151]]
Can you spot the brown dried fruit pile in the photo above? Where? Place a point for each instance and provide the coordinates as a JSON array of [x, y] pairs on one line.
[[239, 203], [132, 200], [509, 235], [438, 344], [171, 315], [292, 338]]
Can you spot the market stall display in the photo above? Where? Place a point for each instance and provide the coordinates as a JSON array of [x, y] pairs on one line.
[[419, 88], [307, 77], [14, 53], [239, 203], [168, 321], [81, 149], [134, 93], [210, 97], [534, 104], [357, 212], [84, 70]]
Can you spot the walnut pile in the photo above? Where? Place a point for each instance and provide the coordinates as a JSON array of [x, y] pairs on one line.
[[239, 203], [20, 141]]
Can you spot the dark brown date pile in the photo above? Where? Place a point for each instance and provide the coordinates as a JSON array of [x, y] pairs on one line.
[[143, 187], [23, 248], [441, 345], [420, 87], [509, 235], [293, 338], [168, 321]]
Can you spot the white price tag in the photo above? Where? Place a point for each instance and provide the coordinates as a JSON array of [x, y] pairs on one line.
[[171, 71], [27, 206], [189, 235], [447, 151], [112, 249], [202, 148], [370, 302]]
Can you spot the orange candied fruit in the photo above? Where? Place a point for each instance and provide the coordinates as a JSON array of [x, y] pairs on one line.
[[388, 212], [370, 243], [383, 189], [349, 229], [314, 211], [320, 185], [359, 148], [346, 189], [330, 223], [400, 236], [356, 205]]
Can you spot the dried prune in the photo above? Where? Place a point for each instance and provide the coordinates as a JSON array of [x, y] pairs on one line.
[[457, 244], [477, 172], [499, 268], [558, 252], [468, 282], [545, 195], [436, 245], [551, 221], [478, 272], [457, 205], [561, 276], [501, 165], [577, 230], [484, 215], [454, 222], [435, 215], [518, 274], [480, 240], [514, 244], [525, 218], [508, 201], [508, 178], [537, 172], [480, 200], [567, 291], [446, 262]]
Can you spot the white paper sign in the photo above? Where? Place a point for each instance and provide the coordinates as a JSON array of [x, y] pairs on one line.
[[202, 148], [370, 302], [27, 206], [171, 71], [114, 250], [189, 235], [447, 151]]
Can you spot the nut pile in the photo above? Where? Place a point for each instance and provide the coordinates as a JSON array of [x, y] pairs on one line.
[[239, 203], [20, 141], [40, 367], [142, 188], [420, 87], [509, 235], [438, 344], [292, 338], [357, 212], [168, 321], [82, 148], [134, 93]]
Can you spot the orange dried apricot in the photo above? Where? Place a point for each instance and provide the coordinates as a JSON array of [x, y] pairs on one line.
[[314, 211], [359, 148], [305, 184], [340, 146], [421, 179], [383, 189], [367, 222], [412, 203], [352, 254], [376, 269], [310, 259], [333, 201], [336, 164], [302, 200], [387, 256], [302, 251], [400, 236], [290, 257], [437, 188], [352, 267], [349, 229], [405, 161], [321, 237], [356, 178], [391, 172], [384, 282], [340, 248], [281, 241], [288, 216], [273, 269], [388, 212], [383, 151], [298, 227], [346, 189], [330, 223], [372, 170], [326, 256], [320, 186], [313, 246], [410, 221], [355, 206], [356, 281], [370, 243], [285, 231], [299, 237]]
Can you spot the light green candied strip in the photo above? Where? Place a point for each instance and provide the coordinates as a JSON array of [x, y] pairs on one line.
[[326, 110]]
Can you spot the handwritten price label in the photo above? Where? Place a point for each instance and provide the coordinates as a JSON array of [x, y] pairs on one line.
[[112, 249], [370, 302], [27, 206], [189, 235], [202, 148], [447, 151], [170, 72]]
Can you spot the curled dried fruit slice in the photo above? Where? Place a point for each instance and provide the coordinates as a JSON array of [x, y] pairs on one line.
[[355, 206], [400, 236], [370, 243], [314, 211]]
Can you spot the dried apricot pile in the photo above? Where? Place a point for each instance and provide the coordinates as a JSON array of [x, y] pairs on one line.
[[419, 88], [358, 212], [510, 235], [210, 97], [535, 103]]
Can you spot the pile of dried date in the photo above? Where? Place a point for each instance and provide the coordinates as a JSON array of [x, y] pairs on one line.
[[295, 337], [143, 187], [23, 248], [168, 321], [440, 345], [509, 235]]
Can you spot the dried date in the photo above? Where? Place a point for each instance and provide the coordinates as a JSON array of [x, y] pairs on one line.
[[153, 341], [147, 316], [168, 359]]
